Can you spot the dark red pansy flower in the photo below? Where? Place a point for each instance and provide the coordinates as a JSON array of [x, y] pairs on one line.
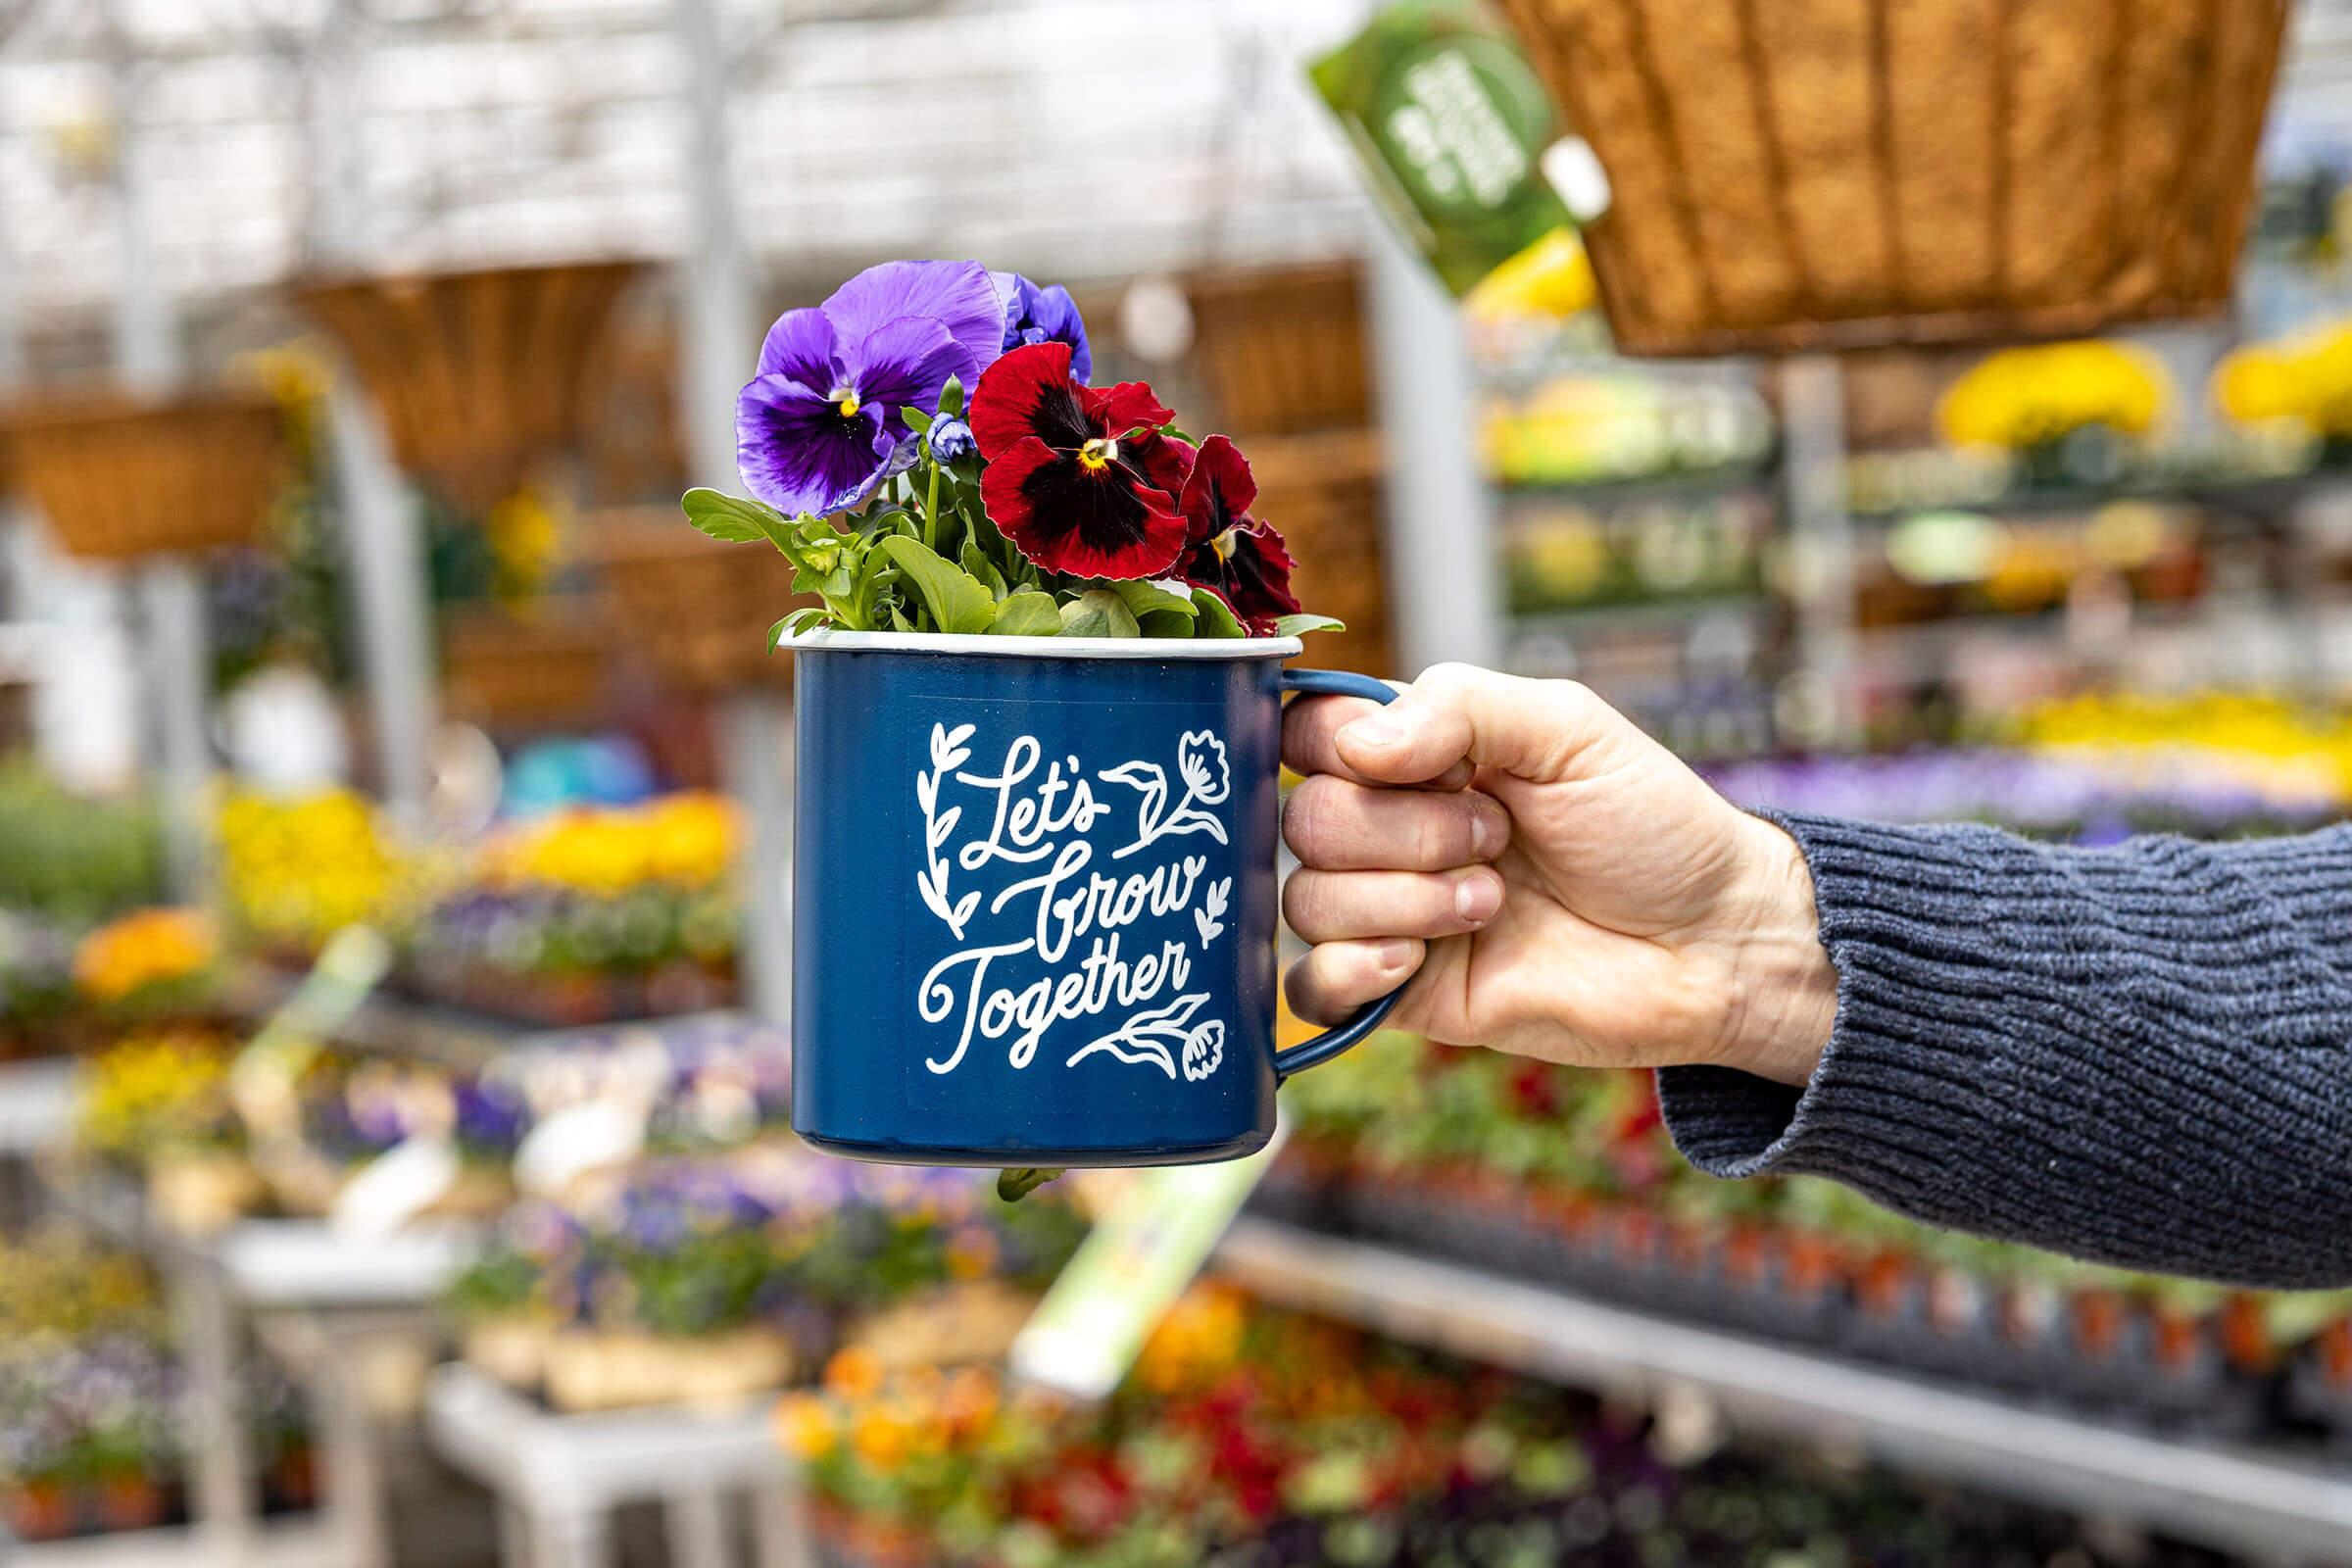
[[1066, 482], [1233, 554]]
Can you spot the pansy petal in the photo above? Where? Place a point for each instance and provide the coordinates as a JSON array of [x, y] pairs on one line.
[[903, 363], [802, 346], [1163, 461], [1117, 410], [1092, 521], [1034, 315], [1028, 393], [1249, 566], [1054, 314], [1218, 491], [956, 294], [798, 453]]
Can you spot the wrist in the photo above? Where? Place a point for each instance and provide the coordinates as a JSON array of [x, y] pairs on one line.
[[1784, 989]]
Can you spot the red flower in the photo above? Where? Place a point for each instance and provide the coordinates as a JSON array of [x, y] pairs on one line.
[[1233, 554], [1066, 482]]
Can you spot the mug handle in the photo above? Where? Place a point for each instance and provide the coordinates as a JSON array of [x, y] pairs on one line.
[[1331, 1042]]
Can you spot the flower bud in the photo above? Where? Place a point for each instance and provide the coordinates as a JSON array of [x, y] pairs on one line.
[[950, 439]]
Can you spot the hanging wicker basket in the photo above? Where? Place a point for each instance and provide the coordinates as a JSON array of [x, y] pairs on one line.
[[1791, 174], [699, 610], [119, 477], [1282, 348], [543, 671], [480, 374]]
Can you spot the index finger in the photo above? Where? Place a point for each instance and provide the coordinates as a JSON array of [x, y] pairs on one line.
[[1308, 724]]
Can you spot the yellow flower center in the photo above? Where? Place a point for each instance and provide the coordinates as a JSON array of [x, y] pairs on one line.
[[1098, 454], [847, 403], [1223, 543]]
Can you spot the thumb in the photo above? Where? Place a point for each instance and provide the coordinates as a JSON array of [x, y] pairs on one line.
[[1537, 730]]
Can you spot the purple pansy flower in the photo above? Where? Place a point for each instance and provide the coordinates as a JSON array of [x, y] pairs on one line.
[[819, 428], [1034, 315]]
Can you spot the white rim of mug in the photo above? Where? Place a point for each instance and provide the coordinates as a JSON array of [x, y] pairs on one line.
[[832, 640]]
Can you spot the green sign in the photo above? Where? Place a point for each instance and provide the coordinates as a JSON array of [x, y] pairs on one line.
[[1458, 136]]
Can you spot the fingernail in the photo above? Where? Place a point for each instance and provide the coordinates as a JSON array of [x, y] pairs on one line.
[[1489, 828], [1478, 896], [1378, 730], [1392, 952]]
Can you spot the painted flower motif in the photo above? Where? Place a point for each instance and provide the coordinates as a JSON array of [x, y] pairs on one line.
[[1228, 552], [1034, 315], [1200, 763], [819, 428], [1078, 477]]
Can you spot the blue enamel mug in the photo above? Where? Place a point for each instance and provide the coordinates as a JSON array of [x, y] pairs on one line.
[[1034, 897]]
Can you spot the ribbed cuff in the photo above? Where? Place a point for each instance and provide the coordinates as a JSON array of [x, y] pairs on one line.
[[1893, 1099], [2140, 1055]]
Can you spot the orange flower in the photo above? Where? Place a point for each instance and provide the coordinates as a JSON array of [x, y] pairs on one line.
[[855, 1374], [881, 1437], [144, 949]]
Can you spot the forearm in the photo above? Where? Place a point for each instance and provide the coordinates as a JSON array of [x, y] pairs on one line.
[[2140, 1055]]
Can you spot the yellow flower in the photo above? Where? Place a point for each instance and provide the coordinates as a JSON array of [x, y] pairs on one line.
[[806, 1426], [2307, 379], [2022, 397]]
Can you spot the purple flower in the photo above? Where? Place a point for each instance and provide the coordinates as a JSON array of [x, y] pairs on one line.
[[1034, 315], [950, 439], [818, 429]]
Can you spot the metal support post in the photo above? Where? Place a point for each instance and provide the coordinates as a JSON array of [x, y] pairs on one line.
[[1821, 705], [179, 677], [1440, 510], [387, 557], [754, 761]]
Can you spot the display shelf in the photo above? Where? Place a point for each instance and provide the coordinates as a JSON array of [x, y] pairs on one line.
[[2281, 1507], [1693, 484], [301, 1542], [450, 1036], [558, 1477], [279, 1262], [36, 1103], [1641, 614]]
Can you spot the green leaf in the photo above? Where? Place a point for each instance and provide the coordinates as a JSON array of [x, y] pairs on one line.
[[1149, 598], [957, 600], [1216, 620], [793, 624], [1027, 614], [734, 519], [1167, 624], [1098, 613], [917, 420], [899, 620], [976, 562], [1293, 625], [1014, 1184]]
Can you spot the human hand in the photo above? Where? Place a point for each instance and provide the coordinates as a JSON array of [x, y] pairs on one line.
[[1554, 883]]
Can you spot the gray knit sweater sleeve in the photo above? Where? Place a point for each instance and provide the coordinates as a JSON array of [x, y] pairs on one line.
[[2139, 1054]]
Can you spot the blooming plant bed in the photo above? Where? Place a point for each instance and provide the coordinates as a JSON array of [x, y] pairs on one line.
[[591, 914], [927, 450], [1565, 1176], [730, 1275], [90, 1396], [156, 1107], [1249, 1439]]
